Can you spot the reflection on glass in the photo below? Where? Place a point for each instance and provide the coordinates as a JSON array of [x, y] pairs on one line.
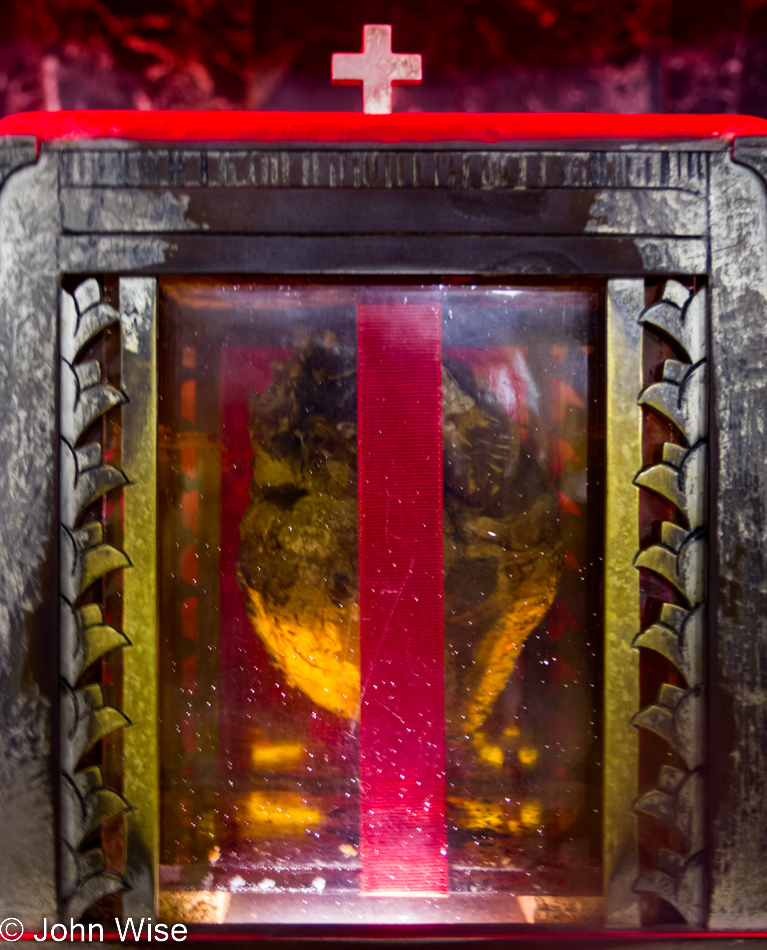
[[260, 632], [522, 612]]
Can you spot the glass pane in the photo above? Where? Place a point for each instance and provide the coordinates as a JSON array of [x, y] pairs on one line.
[[522, 580], [259, 765], [260, 600]]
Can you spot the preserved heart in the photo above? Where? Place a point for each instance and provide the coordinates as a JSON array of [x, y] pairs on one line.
[[298, 563]]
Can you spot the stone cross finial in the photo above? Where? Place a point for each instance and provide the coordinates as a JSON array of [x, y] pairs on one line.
[[377, 68]]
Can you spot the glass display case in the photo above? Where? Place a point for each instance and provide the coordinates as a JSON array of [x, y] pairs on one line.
[[264, 655], [383, 522]]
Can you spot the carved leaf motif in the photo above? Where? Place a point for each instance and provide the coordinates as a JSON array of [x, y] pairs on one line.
[[658, 804], [106, 803], [84, 479], [682, 402], [680, 558], [100, 560], [85, 719], [678, 635], [90, 803], [70, 869], [683, 891], [85, 638], [690, 811], [84, 558], [91, 889], [85, 399], [676, 293], [677, 718], [684, 484], [100, 638], [678, 803], [82, 404], [84, 875], [102, 721], [83, 315], [87, 294], [683, 317]]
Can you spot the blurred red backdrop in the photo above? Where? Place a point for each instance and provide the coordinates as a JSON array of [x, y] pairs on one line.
[[478, 55]]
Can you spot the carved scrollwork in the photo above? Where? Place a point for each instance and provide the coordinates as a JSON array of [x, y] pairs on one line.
[[85, 637], [679, 633]]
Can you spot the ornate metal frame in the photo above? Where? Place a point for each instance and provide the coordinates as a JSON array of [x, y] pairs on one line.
[[686, 213]]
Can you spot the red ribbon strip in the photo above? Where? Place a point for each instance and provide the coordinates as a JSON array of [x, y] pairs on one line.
[[402, 717]]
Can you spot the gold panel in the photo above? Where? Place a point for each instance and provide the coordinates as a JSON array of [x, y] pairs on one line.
[[623, 436], [138, 318]]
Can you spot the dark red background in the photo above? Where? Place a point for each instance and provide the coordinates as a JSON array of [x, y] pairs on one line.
[[478, 55]]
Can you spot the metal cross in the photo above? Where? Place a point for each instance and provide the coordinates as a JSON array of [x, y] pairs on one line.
[[377, 68]]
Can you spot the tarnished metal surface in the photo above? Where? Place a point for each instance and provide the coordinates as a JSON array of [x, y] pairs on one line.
[[623, 438], [388, 253], [28, 537], [738, 779], [15, 153], [649, 212], [126, 255], [87, 165]]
